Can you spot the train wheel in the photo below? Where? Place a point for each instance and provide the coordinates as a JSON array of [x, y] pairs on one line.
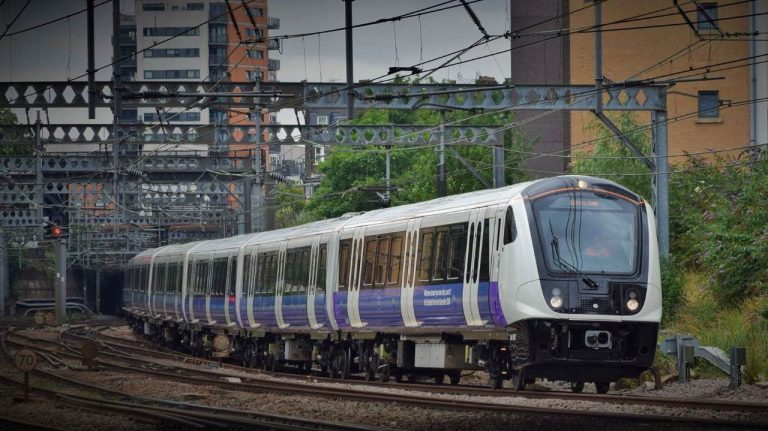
[[345, 363], [518, 380], [371, 364], [439, 378], [271, 363], [602, 387], [495, 381], [455, 377], [577, 387]]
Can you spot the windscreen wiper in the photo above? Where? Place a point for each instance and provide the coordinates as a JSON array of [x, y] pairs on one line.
[[566, 265]]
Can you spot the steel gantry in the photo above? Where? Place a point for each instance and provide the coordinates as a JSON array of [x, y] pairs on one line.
[[150, 189]]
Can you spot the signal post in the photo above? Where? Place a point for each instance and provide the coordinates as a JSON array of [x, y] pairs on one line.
[[60, 248]]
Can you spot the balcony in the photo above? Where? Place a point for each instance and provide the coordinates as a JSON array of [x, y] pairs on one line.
[[274, 64], [218, 17], [273, 23], [217, 38], [273, 44], [215, 60]]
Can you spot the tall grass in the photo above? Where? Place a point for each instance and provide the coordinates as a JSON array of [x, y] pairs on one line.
[[725, 327]]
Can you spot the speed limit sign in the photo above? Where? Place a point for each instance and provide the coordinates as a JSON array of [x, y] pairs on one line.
[[25, 360]]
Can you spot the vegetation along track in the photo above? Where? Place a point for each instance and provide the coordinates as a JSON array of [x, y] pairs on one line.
[[411, 394]]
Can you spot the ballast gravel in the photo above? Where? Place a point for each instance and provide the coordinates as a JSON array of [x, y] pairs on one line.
[[391, 415]]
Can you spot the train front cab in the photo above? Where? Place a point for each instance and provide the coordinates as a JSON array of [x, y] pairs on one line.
[[592, 310]]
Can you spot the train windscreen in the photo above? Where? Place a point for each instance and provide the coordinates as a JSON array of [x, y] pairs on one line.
[[588, 232]]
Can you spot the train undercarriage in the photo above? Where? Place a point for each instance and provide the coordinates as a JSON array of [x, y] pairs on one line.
[[579, 352]]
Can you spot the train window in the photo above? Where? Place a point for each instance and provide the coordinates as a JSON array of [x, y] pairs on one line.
[[321, 268], [172, 276], [439, 263], [143, 278], [259, 285], [427, 248], [510, 229], [219, 276], [159, 278], [382, 261], [290, 271], [268, 276], [232, 275], [484, 249], [273, 269], [247, 279], [457, 250], [201, 277], [343, 262], [304, 270], [393, 276], [370, 262]]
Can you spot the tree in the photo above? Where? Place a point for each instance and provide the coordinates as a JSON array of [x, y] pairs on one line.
[[350, 176], [8, 118], [612, 159]]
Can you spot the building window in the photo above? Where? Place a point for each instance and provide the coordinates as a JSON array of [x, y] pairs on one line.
[[172, 117], [171, 52], [707, 16], [253, 32], [218, 116], [128, 115], [216, 8], [256, 11], [195, 6], [255, 54], [709, 104], [171, 31], [322, 120], [153, 7], [172, 74], [254, 75]]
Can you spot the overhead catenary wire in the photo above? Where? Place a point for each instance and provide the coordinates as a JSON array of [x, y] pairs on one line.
[[53, 21], [13, 21]]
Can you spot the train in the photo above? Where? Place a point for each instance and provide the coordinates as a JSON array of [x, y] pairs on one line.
[[556, 278]]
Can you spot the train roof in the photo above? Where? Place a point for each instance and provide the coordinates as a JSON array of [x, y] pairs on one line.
[[448, 204]]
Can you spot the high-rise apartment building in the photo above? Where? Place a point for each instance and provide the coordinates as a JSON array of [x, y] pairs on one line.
[[221, 49]]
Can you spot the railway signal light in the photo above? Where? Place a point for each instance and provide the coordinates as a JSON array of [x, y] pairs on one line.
[[56, 231]]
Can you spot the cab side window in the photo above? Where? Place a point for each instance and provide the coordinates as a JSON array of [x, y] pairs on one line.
[[510, 229]]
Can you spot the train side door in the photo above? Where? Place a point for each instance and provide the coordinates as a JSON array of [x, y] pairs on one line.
[[230, 309], [314, 253], [250, 280], [334, 278], [410, 258], [280, 288], [472, 265], [353, 299], [498, 216]]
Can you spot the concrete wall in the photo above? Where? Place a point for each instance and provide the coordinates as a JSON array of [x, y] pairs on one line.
[[541, 64]]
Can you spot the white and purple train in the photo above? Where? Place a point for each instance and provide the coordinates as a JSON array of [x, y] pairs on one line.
[[556, 278]]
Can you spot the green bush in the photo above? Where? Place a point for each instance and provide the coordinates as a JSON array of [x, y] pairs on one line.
[[672, 288]]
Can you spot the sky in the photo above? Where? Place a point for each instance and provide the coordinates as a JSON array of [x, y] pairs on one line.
[[57, 52]]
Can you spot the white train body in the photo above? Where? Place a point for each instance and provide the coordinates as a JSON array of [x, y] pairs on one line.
[[510, 280]]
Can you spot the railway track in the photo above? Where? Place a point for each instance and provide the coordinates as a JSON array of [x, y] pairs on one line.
[[483, 391], [177, 414], [430, 396]]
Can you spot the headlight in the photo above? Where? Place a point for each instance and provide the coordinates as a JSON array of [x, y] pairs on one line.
[[633, 300], [556, 301], [633, 304]]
